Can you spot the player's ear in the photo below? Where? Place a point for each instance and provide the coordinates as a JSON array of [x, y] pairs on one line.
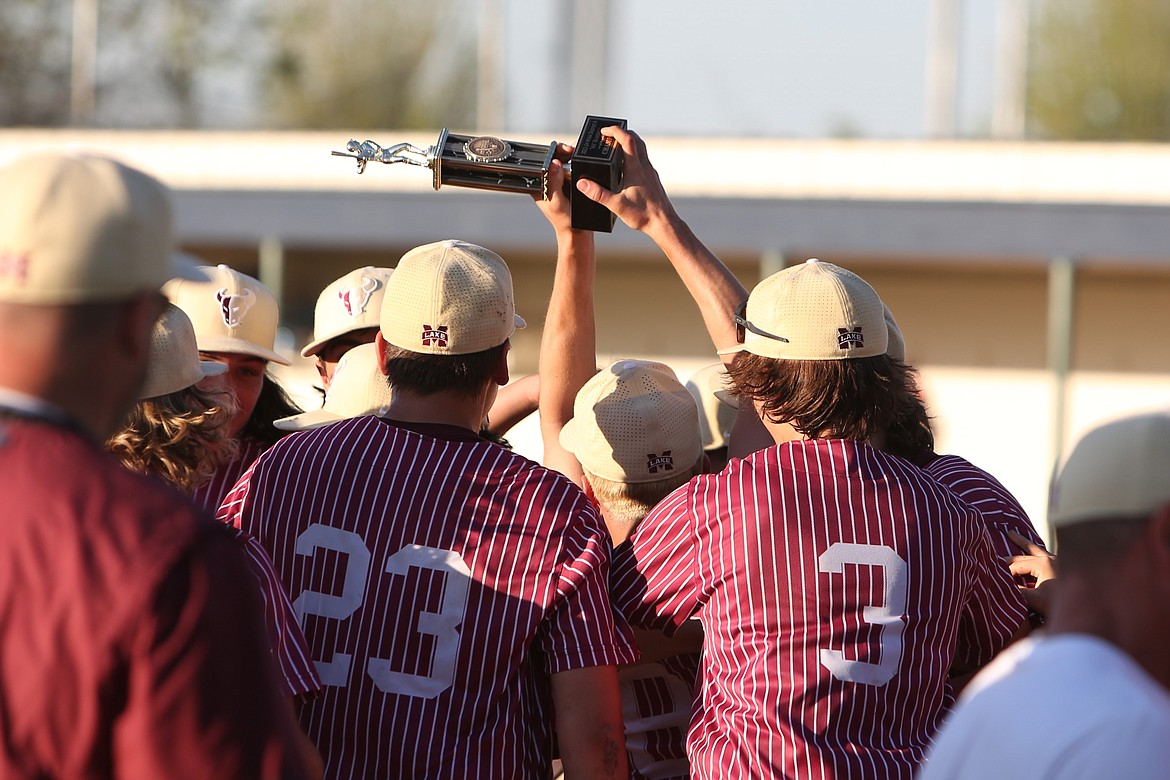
[[588, 489], [380, 345], [500, 374]]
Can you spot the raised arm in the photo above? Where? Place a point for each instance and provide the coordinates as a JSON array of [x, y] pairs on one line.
[[513, 403], [643, 205], [568, 347]]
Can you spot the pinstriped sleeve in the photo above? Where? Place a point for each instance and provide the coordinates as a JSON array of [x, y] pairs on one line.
[[995, 610], [654, 582], [583, 629]]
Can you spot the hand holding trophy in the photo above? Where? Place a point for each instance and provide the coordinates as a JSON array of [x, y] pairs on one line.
[[489, 163]]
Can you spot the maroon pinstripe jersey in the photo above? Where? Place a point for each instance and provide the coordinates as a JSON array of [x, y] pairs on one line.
[[999, 508], [289, 648], [830, 579], [657, 703], [440, 580], [211, 493]]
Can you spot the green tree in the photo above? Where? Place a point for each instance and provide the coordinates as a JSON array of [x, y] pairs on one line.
[[34, 63], [1100, 70], [154, 60], [355, 63]]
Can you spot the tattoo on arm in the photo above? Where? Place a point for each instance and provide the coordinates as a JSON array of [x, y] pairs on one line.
[[612, 752]]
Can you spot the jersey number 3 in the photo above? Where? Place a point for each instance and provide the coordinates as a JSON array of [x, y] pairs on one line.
[[888, 615], [442, 625]]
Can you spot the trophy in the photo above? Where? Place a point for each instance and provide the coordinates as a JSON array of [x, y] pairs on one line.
[[489, 163]]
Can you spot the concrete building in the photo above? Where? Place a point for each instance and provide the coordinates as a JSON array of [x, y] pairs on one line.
[[1032, 281]]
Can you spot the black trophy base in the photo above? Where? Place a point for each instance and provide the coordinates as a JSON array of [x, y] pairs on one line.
[[597, 158]]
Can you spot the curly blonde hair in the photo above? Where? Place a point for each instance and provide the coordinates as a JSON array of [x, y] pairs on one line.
[[180, 437]]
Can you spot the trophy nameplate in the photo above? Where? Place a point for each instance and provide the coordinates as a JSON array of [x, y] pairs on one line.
[[489, 163]]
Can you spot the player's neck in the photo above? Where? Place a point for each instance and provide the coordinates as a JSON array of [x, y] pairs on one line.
[[443, 408], [1122, 613]]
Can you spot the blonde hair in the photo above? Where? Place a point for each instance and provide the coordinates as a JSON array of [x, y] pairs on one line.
[[630, 502], [180, 437]]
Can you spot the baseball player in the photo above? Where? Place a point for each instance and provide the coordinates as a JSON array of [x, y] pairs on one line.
[[169, 433], [131, 635], [448, 587], [1098, 679], [716, 418], [356, 388], [346, 315], [911, 438], [831, 578], [235, 319], [629, 435]]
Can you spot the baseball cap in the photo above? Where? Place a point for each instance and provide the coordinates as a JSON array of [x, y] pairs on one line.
[[358, 388], [813, 311], [350, 303], [174, 357], [231, 312], [895, 342], [715, 416], [79, 228], [449, 298], [634, 422], [1118, 470]]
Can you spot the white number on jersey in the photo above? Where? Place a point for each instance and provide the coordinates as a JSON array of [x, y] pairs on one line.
[[887, 615], [442, 625], [357, 567]]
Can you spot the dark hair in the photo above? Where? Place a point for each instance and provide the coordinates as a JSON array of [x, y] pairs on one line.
[[909, 435], [834, 399], [419, 374], [272, 405]]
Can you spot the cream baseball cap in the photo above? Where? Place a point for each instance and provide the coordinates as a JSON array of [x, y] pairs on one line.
[[634, 422], [79, 228], [813, 311], [449, 298], [353, 302], [174, 357], [358, 388], [895, 341], [231, 312], [715, 415], [1119, 470]]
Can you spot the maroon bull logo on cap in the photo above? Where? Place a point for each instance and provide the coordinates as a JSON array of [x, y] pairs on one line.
[[355, 298], [233, 306]]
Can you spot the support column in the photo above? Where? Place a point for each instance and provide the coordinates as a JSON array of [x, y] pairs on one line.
[[271, 273], [771, 261], [1061, 315]]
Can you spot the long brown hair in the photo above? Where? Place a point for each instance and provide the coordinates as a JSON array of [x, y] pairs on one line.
[[857, 399], [180, 437]]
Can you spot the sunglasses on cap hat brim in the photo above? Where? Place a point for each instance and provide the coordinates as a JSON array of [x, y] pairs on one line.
[[742, 326]]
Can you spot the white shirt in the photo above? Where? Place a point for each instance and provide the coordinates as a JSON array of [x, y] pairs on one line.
[[1065, 706]]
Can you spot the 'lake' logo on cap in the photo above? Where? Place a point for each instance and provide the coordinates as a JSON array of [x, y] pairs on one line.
[[355, 298], [434, 336], [850, 339], [234, 307], [665, 461]]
